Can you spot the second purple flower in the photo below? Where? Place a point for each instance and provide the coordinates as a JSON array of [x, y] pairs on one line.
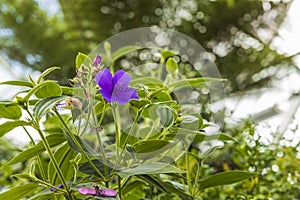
[[115, 88]]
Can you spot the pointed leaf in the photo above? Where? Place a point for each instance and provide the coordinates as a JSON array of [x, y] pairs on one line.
[[150, 168], [225, 178], [171, 66], [80, 59], [149, 146], [10, 125], [123, 51], [10, 111], [45, 73], [17, 83], [46, 104], [53, 140], [19, 192], [193, 82]]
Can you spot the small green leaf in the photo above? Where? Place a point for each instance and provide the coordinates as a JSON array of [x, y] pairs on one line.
[[165, 53], [48, 90], [166, 116], [53, 140], [150, 168], [17, 83], [225, 178], [10, 125], [193, 82], [45, 73], [10, 111], [123, 51], [80, 59], [19, 192], [171, 66], [139, 103], [44, 105]]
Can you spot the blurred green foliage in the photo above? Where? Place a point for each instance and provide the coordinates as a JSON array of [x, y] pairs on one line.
[[230, 30]]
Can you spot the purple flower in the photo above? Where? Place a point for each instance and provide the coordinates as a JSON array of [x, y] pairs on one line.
[[115, 88], [97, 60], [59, 186], [98, 192]]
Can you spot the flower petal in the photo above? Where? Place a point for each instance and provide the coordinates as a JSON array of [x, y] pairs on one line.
[[123, 95], [105, 80], [108, 193], [135, 95], [97, 60], [87, 191], [106, 95], [121, 78]]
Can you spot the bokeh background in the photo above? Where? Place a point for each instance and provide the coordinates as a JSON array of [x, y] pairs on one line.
[[255, 45]]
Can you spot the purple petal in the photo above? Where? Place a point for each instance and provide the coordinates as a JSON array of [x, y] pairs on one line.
[[121, 78], [123, 95], [87, 191], [108, 193], [106, 95], [135, 95], [59, 186], [97, 60], [105, 80]]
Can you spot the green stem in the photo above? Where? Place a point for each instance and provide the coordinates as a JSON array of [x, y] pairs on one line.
[[99, 139], [53, 160], [119, 187], [188, 175], [41, 169], [128, 136], [116, 116], [79, 146], [51, 156]]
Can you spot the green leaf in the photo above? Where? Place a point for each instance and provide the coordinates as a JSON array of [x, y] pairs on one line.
[[35, 89], [123, 51], [225, 178], [139, 103], [85, 146], [10, 111], [150, 168], [25, 176], [17, 83], [8, 126], [86, 168], [166, 116], [44, 105], [44, 195], [150, 82], [193, 82], [48, 90], [149, 146], [62, 155], [45, 73], [53, 140], [165, 53], [19, 192], [80, 59], [171, 66], [153, 181]]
